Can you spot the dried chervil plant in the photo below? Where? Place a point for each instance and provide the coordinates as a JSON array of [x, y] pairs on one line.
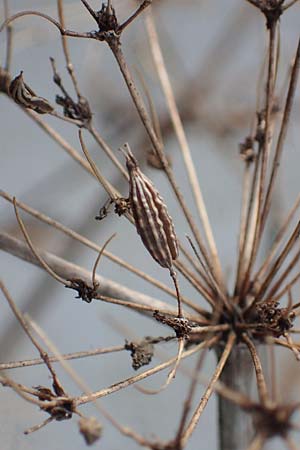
[[259, 313]]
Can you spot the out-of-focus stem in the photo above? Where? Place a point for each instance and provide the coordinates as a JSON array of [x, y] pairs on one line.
[[236, 430]]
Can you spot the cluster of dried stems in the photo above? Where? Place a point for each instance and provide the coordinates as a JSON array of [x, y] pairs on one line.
[[251, 315]]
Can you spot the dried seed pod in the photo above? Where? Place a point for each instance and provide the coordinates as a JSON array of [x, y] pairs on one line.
[[150, 214], [24, 96]]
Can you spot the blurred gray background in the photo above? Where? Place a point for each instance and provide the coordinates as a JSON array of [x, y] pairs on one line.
[[214, 51]]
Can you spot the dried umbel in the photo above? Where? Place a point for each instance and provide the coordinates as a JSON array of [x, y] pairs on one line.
[[24, 96]]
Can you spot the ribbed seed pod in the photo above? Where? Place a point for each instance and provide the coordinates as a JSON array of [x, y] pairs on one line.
[[151, 217], [24, 96]]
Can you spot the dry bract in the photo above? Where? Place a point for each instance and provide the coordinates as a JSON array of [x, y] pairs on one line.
[[24, 96]]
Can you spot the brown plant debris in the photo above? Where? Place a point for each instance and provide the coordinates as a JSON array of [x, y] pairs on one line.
[[90, 429], [271, 316], [179, 325], [85, 292], [79, 110], [24, 96], [141, 352]]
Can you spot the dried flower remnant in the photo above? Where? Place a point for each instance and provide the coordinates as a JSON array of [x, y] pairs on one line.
[[26, 97], [90, 429], [151, 218], [247, 151], [79, 110], [140, 352], [85, 292], [277, 320]]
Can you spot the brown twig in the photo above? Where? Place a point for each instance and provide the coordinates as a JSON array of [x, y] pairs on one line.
[[99, 257], [41, 261], [59, 390], [9, 37], [265, 149], [209, 390], [67, 356], [278, 263], [261, 383], [282, 133], [277, 241], [135, 379]]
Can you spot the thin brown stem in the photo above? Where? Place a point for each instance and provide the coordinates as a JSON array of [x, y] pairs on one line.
[[215, 285], [265, 150], [273, 378], [65, 118], [139, 10], [90, 9], [19, 316], [188, 401], [176, 284], [66, 51], [278, 263], [41, 261], [112, 192], [135, 379], [171, 374], [209, 390], [106, 148], [67, 356], [39, 426], [59, 140], [190, 276], [243, 222], [285, 274], [182, 139], [23, 392], [245, 253], [54, 22], [277, 241], [99, 257], [267, 132], [9, 37], [285, 289], [196, 266], [261, 382], [293, 346], [282, 134]]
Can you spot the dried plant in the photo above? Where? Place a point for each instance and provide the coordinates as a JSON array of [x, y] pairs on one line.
[[259, 313]]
